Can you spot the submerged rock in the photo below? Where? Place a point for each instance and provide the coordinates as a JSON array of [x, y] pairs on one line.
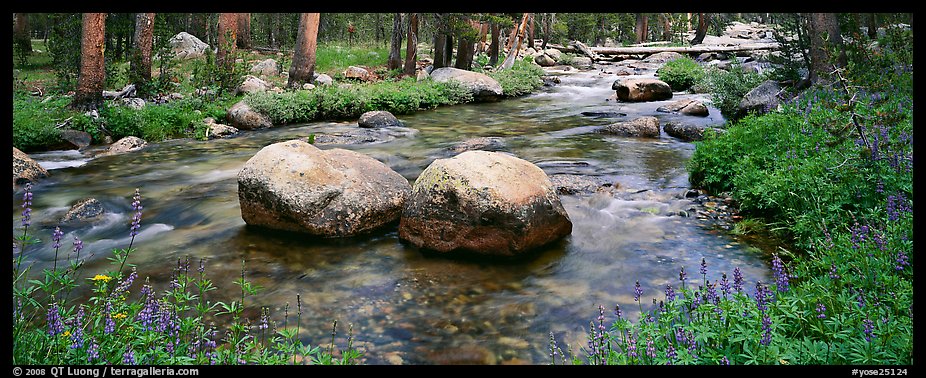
[[84, 210], [480, 143], [639, 90], [647, 127], [295, 186], [218, 130], [74, 139], [485, 203], [377, 119], [25, 169]]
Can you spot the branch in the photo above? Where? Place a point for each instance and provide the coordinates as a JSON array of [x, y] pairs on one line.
[[851, 104]]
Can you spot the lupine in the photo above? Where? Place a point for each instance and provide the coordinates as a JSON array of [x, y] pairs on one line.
[[618, 312], [897, 206], [78, 246], [670, 293], [93, 352], [136, 219], [762, 296], [901, 260], [128, 358], [27, 205], [56, 239], [703, 267], [861, 298], [869, 330], [110, 325], [670, 354], [631, 345], [125, 284], [637, 292], [724, 361], [766, 330], [53, 317], [682, 275], [833, 272], [711, 292], [77, 337], [781, 275], [724, 285], [821, 310], [650, 348], [738, 280]]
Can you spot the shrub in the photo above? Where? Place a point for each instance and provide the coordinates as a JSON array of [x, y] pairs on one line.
[[34, 121], [728, 87], [681, 73], [522, 78]]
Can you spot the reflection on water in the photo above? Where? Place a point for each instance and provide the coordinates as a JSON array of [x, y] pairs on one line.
[[404, 304]]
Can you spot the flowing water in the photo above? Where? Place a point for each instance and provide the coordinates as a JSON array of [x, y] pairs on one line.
[[404, 305]]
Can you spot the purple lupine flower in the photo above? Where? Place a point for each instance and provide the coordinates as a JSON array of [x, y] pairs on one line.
[[56, 237], [682, 275], [78, 246], [637, 292], [202, 265], [77, 337], [128, 358], [55, 326], [147, 316], [781, 275], [703, 267], [766, 330], [27, 205], [724, 285], [861, 298], [821, 310], [650, 348], [670, 293], [93, 352], [109, 323], [762, 296], [670, 354], [680, 337], [724, 361], [137, 207], [738, 280], [125, 284], [833, 272], [618, 312], [901, 260], [631, 345], [897, 206], [869, 330]]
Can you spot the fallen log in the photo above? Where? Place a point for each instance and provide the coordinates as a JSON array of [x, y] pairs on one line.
[[585, 50], [646, 50]]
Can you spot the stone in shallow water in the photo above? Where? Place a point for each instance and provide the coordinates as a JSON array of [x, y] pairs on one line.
[[84, 210]]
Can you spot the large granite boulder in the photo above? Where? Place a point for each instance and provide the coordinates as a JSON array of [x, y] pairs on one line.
[[544, 60], [760, 100], [186, 46], [639, 90], [482, 86], [360, 73], [294, 186], [378, 118], [267, 68], [483, 203], [663, 57], [646, 127], [25, 169], [243, 117], [686, 107], [253, 84], [127, 144]]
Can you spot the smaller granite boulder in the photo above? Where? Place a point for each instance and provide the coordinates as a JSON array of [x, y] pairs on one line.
[[354, 72], [87, 209], [253, 84], [127, 144], [640, 90], [686, 107], [243, 117], [25, 169], [268, 68], [646, 127], [377, 119]]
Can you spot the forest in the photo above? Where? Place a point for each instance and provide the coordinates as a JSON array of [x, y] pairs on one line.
[[463, 188]]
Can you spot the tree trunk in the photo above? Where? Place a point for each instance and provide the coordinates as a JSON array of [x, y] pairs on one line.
[[666, 26], [92, 71], [244, 31], [873, 25], [702, 29], [395, 50], [824, 38], [548, 21], [483, 33], [439, 41], [641, 26], [303, 67], [228, 28], [530, 33], [141, 54], [465, 54], [687, 21], [279, 37], [516, 47], [411, 49], [493, 46], [21, 32]]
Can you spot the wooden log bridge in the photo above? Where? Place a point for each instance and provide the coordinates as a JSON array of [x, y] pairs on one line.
[[646, 50]]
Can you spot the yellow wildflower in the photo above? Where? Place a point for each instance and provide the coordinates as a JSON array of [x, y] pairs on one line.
[[101, 277], [120, 315], [66, 333]]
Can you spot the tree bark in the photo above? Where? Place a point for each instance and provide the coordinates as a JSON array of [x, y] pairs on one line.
[[516, 47], [303, 67], [395, 49], [824, 39], [873, 25], [483, 33], [141, 54], [666, 26], [465, 53], [411, 49], [89, 93], [493, 46], [530, 32], [228, 28], [702, 29], [21, 32], [244, 31], [448, 50], [641, 28], [439, 41]]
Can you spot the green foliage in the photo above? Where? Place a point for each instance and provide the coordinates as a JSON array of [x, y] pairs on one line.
[[728, 87], [522, 78], [118, 325], [64, 46], [35, 121], [681, 73], [176, 119]]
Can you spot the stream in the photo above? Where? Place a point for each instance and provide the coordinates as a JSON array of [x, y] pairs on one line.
[[406, 306]]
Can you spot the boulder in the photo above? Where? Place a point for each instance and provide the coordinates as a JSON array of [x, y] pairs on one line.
[[87, 209], [482, 86], [323, 79], [686, 107], [127, 144], [581, 62], [267, 68], [75, 139], [646, 127], [481, 143], [553, 53], [422, 75], [484, 203], [639, 90], [354, 72], [377, 119], [663, 57], [544, 60], [25, 169], [568, 184], [253, 84], [308, 86], [760, 99], [218, 130], [294, 186], [187, 46], [688, 133], [133, 102], [243, 117]]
